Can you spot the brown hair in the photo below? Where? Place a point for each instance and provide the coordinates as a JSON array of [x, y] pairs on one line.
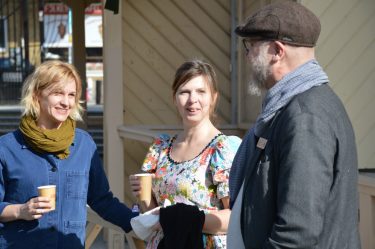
[[50, 75], [194, 68]]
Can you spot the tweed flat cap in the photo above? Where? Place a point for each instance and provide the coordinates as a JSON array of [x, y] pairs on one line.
[[288, 21]]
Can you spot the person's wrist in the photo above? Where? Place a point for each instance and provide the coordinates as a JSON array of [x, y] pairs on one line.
[[17, 211]]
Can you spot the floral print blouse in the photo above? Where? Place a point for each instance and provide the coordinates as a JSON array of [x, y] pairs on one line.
[[201, 181]]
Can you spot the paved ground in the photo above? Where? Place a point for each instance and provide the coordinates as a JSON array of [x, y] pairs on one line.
[[101, 244]]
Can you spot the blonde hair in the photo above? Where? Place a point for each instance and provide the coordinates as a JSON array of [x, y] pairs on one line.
[[50, 75]]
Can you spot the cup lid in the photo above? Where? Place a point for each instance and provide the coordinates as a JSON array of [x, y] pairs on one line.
[[47, 186], [143, 174]]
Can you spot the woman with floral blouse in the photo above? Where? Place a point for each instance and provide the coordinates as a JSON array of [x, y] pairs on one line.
[[192, 167]]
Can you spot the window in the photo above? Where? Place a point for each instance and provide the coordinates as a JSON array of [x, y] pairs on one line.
[[3, 34]]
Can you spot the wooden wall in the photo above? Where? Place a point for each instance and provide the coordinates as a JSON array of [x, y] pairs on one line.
[[346, 49], [158, 35]]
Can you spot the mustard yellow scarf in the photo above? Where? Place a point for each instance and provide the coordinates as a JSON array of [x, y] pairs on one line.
[[55, 141]]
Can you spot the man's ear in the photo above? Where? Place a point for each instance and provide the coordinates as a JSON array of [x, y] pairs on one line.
[[279, 50]]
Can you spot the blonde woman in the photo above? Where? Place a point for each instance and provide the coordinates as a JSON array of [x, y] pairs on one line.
[[48, 149]]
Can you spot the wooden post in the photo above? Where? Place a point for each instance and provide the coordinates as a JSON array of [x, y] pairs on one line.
[[79, 47], [113, 111]]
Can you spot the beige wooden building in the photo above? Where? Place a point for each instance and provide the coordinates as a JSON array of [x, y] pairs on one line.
[[149, 39]]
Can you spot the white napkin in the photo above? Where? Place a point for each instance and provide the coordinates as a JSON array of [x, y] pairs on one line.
[[143, 224]]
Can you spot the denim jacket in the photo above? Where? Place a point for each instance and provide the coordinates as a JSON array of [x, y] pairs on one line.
[[80, 180]]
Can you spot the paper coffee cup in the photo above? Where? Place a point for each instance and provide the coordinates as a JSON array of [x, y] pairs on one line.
[[49, 191], [146, 185]]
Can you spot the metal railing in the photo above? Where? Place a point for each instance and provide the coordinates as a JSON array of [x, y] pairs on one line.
[[19, 31]]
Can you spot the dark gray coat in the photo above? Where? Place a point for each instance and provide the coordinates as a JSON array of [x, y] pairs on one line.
[[303, 191]]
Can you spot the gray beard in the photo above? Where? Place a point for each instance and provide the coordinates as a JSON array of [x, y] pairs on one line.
[[260, 72], [254, 89]]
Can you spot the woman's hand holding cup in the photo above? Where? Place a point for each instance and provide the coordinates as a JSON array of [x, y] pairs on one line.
[[141, 185], [34, 208], [135, 185]]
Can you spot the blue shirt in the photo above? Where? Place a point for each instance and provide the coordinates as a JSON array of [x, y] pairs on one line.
[[79, 179]]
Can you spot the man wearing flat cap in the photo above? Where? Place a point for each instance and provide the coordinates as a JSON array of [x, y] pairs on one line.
[[293, 183]]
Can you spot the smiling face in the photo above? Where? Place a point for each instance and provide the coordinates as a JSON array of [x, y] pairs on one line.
[[194, 101], [56, 104]]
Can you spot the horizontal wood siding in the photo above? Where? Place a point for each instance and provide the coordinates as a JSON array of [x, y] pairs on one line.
[[346, 49], [249, 105], [158, 36]]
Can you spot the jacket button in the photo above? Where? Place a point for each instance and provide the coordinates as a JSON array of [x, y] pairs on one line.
[[54, 169]]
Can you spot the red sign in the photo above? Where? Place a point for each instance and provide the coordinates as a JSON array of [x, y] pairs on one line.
[[94, 9], [62, 9], [55, 9]]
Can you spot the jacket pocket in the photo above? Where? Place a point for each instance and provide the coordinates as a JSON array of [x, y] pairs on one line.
[[76, 184], [72, 226]]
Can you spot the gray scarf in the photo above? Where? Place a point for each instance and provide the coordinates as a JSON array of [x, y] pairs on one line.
[[300, 80]]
